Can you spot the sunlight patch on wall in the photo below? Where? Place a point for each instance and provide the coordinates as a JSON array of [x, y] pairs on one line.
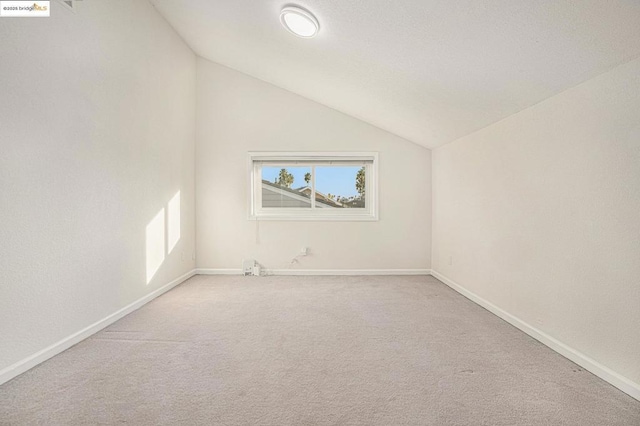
[[173, 221], [155, 244]]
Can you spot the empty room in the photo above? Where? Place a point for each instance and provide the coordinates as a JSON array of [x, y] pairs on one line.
[[320, 212]]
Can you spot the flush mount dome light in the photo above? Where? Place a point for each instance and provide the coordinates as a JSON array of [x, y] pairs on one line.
[[299, 21]]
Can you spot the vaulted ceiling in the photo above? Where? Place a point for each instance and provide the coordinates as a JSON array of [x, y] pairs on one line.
[[430, 71]]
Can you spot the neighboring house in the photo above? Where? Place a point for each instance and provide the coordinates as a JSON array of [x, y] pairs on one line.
[[341, 202], [320, 197], [275, 196]]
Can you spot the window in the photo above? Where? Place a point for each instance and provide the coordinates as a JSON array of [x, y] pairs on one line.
[[313, 186]]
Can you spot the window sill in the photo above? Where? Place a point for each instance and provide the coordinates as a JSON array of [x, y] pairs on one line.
[[324, 218]]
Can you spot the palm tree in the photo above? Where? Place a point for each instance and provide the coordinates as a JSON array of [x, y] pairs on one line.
[[360, 182], [284, 178]]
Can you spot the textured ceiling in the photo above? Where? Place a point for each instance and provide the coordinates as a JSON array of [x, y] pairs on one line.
[[430, 71]]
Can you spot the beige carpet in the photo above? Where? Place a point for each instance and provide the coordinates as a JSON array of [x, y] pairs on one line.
[[312, 351]]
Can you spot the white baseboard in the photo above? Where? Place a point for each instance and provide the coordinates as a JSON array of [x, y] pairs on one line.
[[50, 351], [205, 271], [625, 385], [319, 271], [348, 271]]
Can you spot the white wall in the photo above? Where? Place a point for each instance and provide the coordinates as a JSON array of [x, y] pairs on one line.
[[237, 114], [97, 131], [540, 216]]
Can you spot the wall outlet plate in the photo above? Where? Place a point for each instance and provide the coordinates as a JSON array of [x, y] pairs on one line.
[[247, 266]]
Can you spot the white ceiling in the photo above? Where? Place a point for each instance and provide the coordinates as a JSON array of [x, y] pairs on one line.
[[430, 71]]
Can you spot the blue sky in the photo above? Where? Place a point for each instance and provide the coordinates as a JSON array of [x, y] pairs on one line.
[[337, 180]]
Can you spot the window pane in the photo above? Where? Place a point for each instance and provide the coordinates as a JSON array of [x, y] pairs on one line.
[[286, 187], [340, 187]]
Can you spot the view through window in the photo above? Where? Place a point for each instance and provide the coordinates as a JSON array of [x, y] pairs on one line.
[[314, 186]]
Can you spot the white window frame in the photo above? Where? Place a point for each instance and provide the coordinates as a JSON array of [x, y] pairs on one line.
[[369, 213]]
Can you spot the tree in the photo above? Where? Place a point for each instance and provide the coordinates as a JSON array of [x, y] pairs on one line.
[[307, 178], [284, 178], [360, 182]]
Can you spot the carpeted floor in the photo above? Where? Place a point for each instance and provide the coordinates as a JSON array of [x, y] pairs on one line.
[[229, 350]]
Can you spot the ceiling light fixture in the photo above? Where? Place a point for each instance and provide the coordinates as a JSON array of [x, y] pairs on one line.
[[299, 21]]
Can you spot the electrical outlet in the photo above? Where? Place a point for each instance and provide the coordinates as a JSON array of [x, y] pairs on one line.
[[304, 251], [257, 269], [247, 266]]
